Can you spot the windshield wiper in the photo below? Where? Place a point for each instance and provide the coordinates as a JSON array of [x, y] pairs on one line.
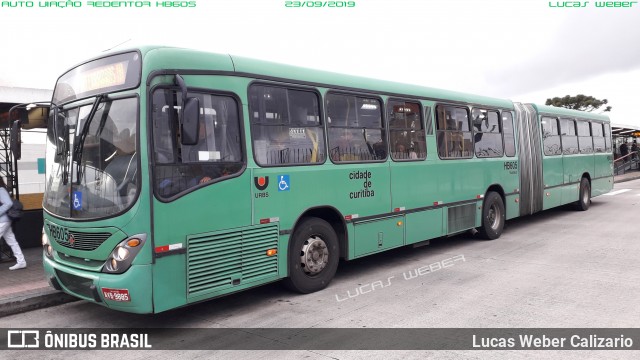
[[79, 145]]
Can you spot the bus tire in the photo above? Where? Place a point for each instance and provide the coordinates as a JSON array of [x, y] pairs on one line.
[[584, 198], [493, 216], [313, 256]]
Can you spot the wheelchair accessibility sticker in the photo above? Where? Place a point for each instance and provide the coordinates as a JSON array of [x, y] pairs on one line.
[[283, 183], [77, 200]]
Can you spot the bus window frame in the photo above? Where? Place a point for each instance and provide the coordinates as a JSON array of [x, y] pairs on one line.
[[500, 131], [150, 139], [467, 108], [584, 121], [288, 86], [603, 137], [558, 134], [513, 133], [562, 120], [422, 123], [383, 122], [608, 149]]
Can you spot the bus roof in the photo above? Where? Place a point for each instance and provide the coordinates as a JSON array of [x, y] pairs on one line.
[[176, 58], [558, 111]]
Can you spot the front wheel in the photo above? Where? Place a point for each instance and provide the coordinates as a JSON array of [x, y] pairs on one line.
[[313, 256], [493, 216], [584, 199]]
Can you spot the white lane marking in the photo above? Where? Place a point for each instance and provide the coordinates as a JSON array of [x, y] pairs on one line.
[[617, 192]]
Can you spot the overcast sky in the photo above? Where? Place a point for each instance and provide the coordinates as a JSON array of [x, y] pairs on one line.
[[521, 50]]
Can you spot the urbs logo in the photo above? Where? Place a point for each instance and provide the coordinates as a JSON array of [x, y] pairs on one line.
[[261, 182]]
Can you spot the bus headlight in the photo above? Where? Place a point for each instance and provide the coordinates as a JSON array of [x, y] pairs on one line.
[[114, 264], [123, 254], [46, 245]]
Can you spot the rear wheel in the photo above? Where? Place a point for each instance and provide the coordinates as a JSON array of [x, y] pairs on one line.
[[493, 216], [313, 256], [584, 199]]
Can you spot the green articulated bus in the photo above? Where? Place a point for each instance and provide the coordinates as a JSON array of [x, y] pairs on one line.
[[176, 176]]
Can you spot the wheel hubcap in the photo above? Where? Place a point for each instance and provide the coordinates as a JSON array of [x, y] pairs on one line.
[[314, 255], [494, 216], [585, 196]]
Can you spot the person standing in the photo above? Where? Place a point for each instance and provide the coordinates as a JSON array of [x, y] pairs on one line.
[[624, 150], [5, 227]]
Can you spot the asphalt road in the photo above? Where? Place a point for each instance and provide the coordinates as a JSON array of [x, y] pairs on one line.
[[558, 269]]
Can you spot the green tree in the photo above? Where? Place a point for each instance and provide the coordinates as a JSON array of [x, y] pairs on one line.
[[579, 102]]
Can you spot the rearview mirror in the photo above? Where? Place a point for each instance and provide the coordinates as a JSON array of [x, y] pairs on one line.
[[31, 116], [35, 118], [190, 121]]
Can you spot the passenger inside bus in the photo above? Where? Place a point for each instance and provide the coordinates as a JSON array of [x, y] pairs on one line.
[[123, 166], [403, 151]]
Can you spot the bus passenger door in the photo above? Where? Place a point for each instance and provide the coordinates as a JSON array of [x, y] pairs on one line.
[[414, 174], [574, 164], [552, 163], [201, 196]]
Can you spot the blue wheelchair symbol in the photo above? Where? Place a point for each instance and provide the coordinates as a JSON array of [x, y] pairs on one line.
[[77, 200], [283, 183]]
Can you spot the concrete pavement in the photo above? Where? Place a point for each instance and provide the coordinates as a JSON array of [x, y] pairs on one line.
[[28, 289]]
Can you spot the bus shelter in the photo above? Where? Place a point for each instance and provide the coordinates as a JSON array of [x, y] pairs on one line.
[[625, 159], [28, 229]]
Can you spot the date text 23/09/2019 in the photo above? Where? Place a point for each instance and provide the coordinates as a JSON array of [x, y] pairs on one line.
[[320, 4]]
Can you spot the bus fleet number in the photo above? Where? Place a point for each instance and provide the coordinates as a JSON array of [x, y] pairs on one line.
[[511, 165]]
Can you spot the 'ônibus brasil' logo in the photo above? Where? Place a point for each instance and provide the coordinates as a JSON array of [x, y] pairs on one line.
[[261, 182]]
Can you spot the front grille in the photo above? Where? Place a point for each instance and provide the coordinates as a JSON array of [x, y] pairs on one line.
[[80, 261], [76, 284], [84, 240], [224, 259]]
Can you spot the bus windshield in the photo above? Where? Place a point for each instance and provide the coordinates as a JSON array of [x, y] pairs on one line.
[[92, 162]]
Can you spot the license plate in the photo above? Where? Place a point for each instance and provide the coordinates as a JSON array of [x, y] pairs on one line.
[[116, 294]]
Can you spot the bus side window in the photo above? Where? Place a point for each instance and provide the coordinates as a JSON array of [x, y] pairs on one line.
[[551, 136], [286, 126], [509, 139], [428, 120], [454, 134], [597, 131], [406, 131], [356, 130], [607, 137], [217, 154], [163, 139], [487, 133], [585, 140], [569, 136]]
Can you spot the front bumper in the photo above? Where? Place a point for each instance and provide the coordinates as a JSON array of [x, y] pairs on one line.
[[88, 285]]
